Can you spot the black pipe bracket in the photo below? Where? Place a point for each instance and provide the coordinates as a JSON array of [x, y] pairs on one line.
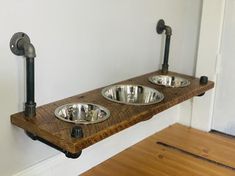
[[67, 154], [168, 32], [20, 45], [14, 43], [161, 26], [76, 133]]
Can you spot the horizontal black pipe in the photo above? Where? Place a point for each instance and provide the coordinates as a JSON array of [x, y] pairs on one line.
[[67, 154]]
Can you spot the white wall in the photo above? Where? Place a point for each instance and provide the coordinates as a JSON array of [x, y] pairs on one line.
[[223, 118], [208, 60], [82, 45]]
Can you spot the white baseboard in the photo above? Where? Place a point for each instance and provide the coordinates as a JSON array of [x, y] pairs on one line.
[[59, 165]]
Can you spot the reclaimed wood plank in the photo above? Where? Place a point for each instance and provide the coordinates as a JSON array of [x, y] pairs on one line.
[[48, 127]]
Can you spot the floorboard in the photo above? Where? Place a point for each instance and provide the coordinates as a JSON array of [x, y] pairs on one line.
[[187, 152]]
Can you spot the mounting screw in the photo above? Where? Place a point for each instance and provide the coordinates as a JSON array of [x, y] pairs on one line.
[[203, 80], [77, 132]]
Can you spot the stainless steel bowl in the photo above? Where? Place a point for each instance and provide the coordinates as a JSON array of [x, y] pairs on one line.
[[169, 81], [132, 94], [82, 113]]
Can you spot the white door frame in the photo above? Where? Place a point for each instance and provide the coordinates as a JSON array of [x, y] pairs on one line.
[[208, 57]]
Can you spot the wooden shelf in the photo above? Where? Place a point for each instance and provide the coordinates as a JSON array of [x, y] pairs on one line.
[[56, 132]]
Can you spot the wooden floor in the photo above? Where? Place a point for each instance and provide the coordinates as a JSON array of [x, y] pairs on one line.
[[175, 151]]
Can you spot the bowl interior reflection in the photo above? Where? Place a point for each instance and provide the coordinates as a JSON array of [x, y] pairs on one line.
[[82, 113], [132, 94], [169, 81]]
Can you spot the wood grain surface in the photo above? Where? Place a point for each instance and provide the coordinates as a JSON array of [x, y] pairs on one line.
[[210, 146], [147, 158], [47, 126]]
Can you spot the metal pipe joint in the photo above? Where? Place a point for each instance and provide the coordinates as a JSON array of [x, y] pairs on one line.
[[168, 31], [20, 45]]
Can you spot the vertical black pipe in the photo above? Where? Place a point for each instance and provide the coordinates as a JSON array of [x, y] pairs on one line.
[[165, 64], [30, 79], [160, 28], [20, 45], [30, 105]]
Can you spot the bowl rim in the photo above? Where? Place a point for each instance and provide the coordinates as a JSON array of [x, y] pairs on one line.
[[136, 104], [179, 77], [56, 113]]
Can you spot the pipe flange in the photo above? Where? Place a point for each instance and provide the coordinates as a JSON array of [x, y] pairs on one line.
[[160, 26], [14, 43]]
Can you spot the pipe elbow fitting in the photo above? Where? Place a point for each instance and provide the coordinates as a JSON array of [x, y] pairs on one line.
[[27, 47], [162, 27], [20, 45], [168, 30], [29, 50]]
